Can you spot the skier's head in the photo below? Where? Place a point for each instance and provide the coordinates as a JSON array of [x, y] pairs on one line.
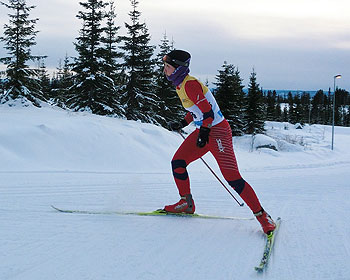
[[176, 66], [177, 58]]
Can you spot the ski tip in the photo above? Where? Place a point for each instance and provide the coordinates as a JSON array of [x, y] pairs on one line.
[[57, 209], [61, 210]]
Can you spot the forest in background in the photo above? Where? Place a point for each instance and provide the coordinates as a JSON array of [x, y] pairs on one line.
[[122, 76]]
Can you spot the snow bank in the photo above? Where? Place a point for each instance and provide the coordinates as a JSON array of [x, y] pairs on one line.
[[262, 141], [52, 139]]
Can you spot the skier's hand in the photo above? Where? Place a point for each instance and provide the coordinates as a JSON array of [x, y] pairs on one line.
[[175, 126], [203, 136]]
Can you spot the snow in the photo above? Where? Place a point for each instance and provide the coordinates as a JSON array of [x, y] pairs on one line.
[[82, 161], [261, 141]]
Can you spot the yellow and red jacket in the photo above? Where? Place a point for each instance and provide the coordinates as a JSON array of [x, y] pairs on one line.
[[200, 103]]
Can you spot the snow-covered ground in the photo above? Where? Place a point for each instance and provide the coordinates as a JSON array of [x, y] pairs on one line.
[[87, 162]]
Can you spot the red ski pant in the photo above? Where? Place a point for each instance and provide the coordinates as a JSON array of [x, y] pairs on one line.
[[221, 147]]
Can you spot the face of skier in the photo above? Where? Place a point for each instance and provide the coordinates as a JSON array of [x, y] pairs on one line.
[[168, 69]]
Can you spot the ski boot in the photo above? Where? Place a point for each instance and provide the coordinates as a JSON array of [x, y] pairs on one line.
[[267, 224], [185, 205]]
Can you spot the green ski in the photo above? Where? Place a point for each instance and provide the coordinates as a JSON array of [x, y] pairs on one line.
[[159, 212], [270, 240]]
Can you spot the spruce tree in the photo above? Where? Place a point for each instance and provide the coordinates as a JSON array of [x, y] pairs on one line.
[[111, 41], [305, 100], [171, 108], [2, 83], [292, 118], [93, 89], [271, 104], [62, 82], [328, 104], [19, 36], [139, 99], [298, 109], [278, 110], [337, 107], [231, 98], [44, 79], [341, 100], [285, 117], [255, 109], [317, 108], [347, 118]]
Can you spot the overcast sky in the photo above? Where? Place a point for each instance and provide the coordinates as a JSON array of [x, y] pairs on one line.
[[291, 44]]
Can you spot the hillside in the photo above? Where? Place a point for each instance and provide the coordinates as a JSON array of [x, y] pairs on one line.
[[82, 161]]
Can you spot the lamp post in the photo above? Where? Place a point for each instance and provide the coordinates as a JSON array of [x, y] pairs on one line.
[[335, 77]]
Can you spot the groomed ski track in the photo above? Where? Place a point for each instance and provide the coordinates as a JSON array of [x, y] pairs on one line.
[[40, 243]]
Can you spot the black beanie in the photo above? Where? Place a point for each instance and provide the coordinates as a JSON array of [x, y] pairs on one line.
[[178, 58]]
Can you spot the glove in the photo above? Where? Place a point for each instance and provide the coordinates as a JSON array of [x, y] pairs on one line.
[[203, 136], [175, 126]]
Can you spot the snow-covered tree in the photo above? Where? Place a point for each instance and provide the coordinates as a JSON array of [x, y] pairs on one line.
[[298, 111], [61, 82], [271, 106], [93, 90], [171, 105], [255, 109], [292, 116], [231, 98], [140, 101], [347, 117], [305, 109], [21, 81], [111, 42], [317, 107], [44, 78]]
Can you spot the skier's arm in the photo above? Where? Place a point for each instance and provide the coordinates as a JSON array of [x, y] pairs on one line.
[[175, 126], [195, 93]]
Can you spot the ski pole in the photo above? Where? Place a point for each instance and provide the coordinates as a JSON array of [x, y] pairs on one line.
[[212, 171]]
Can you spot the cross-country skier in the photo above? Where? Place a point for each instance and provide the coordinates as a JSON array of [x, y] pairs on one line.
[[213, 134]]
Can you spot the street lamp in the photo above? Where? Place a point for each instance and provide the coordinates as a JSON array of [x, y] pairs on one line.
[[335, 77]]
